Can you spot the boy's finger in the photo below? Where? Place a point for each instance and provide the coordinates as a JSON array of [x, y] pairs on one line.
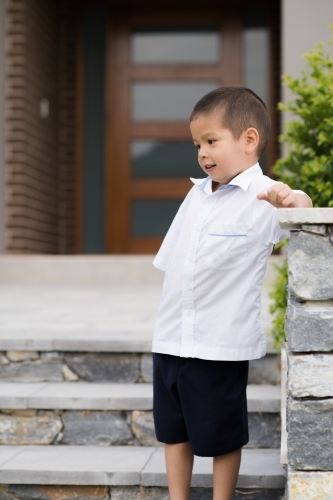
[[263, 196], [288, 200]]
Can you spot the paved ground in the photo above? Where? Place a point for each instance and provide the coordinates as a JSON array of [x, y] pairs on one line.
[[85, 310]]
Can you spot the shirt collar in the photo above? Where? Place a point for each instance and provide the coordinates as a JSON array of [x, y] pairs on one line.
[[242, 180]]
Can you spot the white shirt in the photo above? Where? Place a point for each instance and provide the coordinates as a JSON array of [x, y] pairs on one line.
[[214, 257]]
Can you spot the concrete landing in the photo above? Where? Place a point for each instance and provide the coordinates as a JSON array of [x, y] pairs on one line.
[[91, 465], [94, 396], [93, 303]]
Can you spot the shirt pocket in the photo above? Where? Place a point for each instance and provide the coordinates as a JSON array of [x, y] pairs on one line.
[[226, 247]]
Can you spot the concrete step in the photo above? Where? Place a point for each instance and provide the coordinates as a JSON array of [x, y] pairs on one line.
[[89, 319], [124, 466], [87, 396], [108, 414]]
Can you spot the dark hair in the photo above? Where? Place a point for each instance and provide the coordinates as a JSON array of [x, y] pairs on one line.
[[240, 109]]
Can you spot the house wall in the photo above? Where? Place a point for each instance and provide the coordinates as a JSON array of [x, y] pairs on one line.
[[40, 64], [31, 141], [68, 22], [304, 23], [2, 123]]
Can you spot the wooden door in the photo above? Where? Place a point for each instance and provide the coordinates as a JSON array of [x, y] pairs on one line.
[[152, 85]]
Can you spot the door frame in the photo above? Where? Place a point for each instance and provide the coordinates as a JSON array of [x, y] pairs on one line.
[[114, 199], [121, 188]]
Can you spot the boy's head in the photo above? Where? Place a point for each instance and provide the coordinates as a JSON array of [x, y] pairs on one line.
[[230, 127], [239, 108]]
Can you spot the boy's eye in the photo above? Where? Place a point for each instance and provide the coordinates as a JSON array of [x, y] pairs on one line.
[[211, 141], [197, 146]]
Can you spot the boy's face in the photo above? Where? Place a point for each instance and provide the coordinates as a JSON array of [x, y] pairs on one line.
[[220, 155]]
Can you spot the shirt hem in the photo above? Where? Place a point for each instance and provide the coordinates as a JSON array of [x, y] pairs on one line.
[[160, 263], [211, 353]]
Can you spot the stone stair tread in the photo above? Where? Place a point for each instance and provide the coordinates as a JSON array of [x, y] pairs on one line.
[[259, 469], [107, 396], [123, 465], [136, 339]]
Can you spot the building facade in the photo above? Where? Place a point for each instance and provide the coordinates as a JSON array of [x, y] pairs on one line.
[[95, 153]]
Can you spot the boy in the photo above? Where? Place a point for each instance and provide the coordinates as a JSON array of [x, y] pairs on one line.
[[214, 257]]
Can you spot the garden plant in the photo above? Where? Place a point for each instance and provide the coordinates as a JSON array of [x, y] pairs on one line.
[[308, 163]]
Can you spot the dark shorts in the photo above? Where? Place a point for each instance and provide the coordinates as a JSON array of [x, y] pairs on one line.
[[201, 401]]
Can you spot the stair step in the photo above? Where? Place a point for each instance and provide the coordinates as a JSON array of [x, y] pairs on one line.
[[113, 317], [121, 465], [134, 340], [94, 396]]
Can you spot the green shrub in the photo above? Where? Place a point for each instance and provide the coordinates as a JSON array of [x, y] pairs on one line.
[[308, 164]]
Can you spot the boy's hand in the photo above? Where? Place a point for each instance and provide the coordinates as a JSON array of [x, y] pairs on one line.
[[282, 196]]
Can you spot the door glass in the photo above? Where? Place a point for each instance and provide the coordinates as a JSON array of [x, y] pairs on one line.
[[160, 159], [172, 101], [175, 46], [153, 217]]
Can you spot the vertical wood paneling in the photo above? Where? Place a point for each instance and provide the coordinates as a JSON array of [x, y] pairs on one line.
[[40, 61], [68, 125], [31, 142]]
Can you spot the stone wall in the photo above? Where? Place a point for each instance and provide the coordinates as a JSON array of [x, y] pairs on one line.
[[71, 366], [110, 427], [37, 492], [309, 330]]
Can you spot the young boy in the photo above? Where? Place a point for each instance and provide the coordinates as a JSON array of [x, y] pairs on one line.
[[214, 257]]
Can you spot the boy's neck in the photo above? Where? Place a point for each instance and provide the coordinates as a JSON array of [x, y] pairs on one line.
[[216, 185]]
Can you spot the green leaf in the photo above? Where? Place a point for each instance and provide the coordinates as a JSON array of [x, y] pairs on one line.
[[308, 164]]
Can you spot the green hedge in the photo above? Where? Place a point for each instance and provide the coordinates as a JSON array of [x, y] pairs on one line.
[[308, 163]]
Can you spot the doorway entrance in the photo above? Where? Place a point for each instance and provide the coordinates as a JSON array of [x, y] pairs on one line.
[[156, 67]]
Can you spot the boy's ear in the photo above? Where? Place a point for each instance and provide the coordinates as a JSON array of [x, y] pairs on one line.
[[251, 139]]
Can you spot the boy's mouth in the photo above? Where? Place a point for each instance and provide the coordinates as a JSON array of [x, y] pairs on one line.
[[209, 168]]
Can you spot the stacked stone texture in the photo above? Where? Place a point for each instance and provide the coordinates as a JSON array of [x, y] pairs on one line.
[[112, 427], [309, 331]]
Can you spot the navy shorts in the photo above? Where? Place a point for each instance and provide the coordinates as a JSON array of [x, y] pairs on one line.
[[201, 401]]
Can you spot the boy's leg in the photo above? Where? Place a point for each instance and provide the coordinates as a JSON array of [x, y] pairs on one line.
[[179, 464], [226, 468]]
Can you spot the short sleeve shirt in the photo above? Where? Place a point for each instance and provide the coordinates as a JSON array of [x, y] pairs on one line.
[[214, 257]]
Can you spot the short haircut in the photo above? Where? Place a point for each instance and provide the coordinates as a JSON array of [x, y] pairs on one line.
[[240, 108]]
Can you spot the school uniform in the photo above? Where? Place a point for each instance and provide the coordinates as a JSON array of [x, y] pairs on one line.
[[208, 323]]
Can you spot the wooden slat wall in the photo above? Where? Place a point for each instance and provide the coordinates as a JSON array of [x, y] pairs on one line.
[[31, 142], [67, 125], [40, 152]]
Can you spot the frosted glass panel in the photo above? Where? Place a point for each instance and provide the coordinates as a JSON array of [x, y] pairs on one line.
[[153, 217], [167, 101], [158, 159], [149, 47]]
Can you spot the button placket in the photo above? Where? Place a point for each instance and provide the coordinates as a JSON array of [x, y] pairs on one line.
[[188, 311]]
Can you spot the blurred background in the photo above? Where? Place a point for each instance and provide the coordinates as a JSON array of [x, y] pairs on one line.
[[95, 98]]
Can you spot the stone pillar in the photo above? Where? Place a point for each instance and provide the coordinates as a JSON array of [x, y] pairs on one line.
[[309, 331]]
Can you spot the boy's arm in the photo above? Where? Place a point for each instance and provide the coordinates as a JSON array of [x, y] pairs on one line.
[[282, 196]]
